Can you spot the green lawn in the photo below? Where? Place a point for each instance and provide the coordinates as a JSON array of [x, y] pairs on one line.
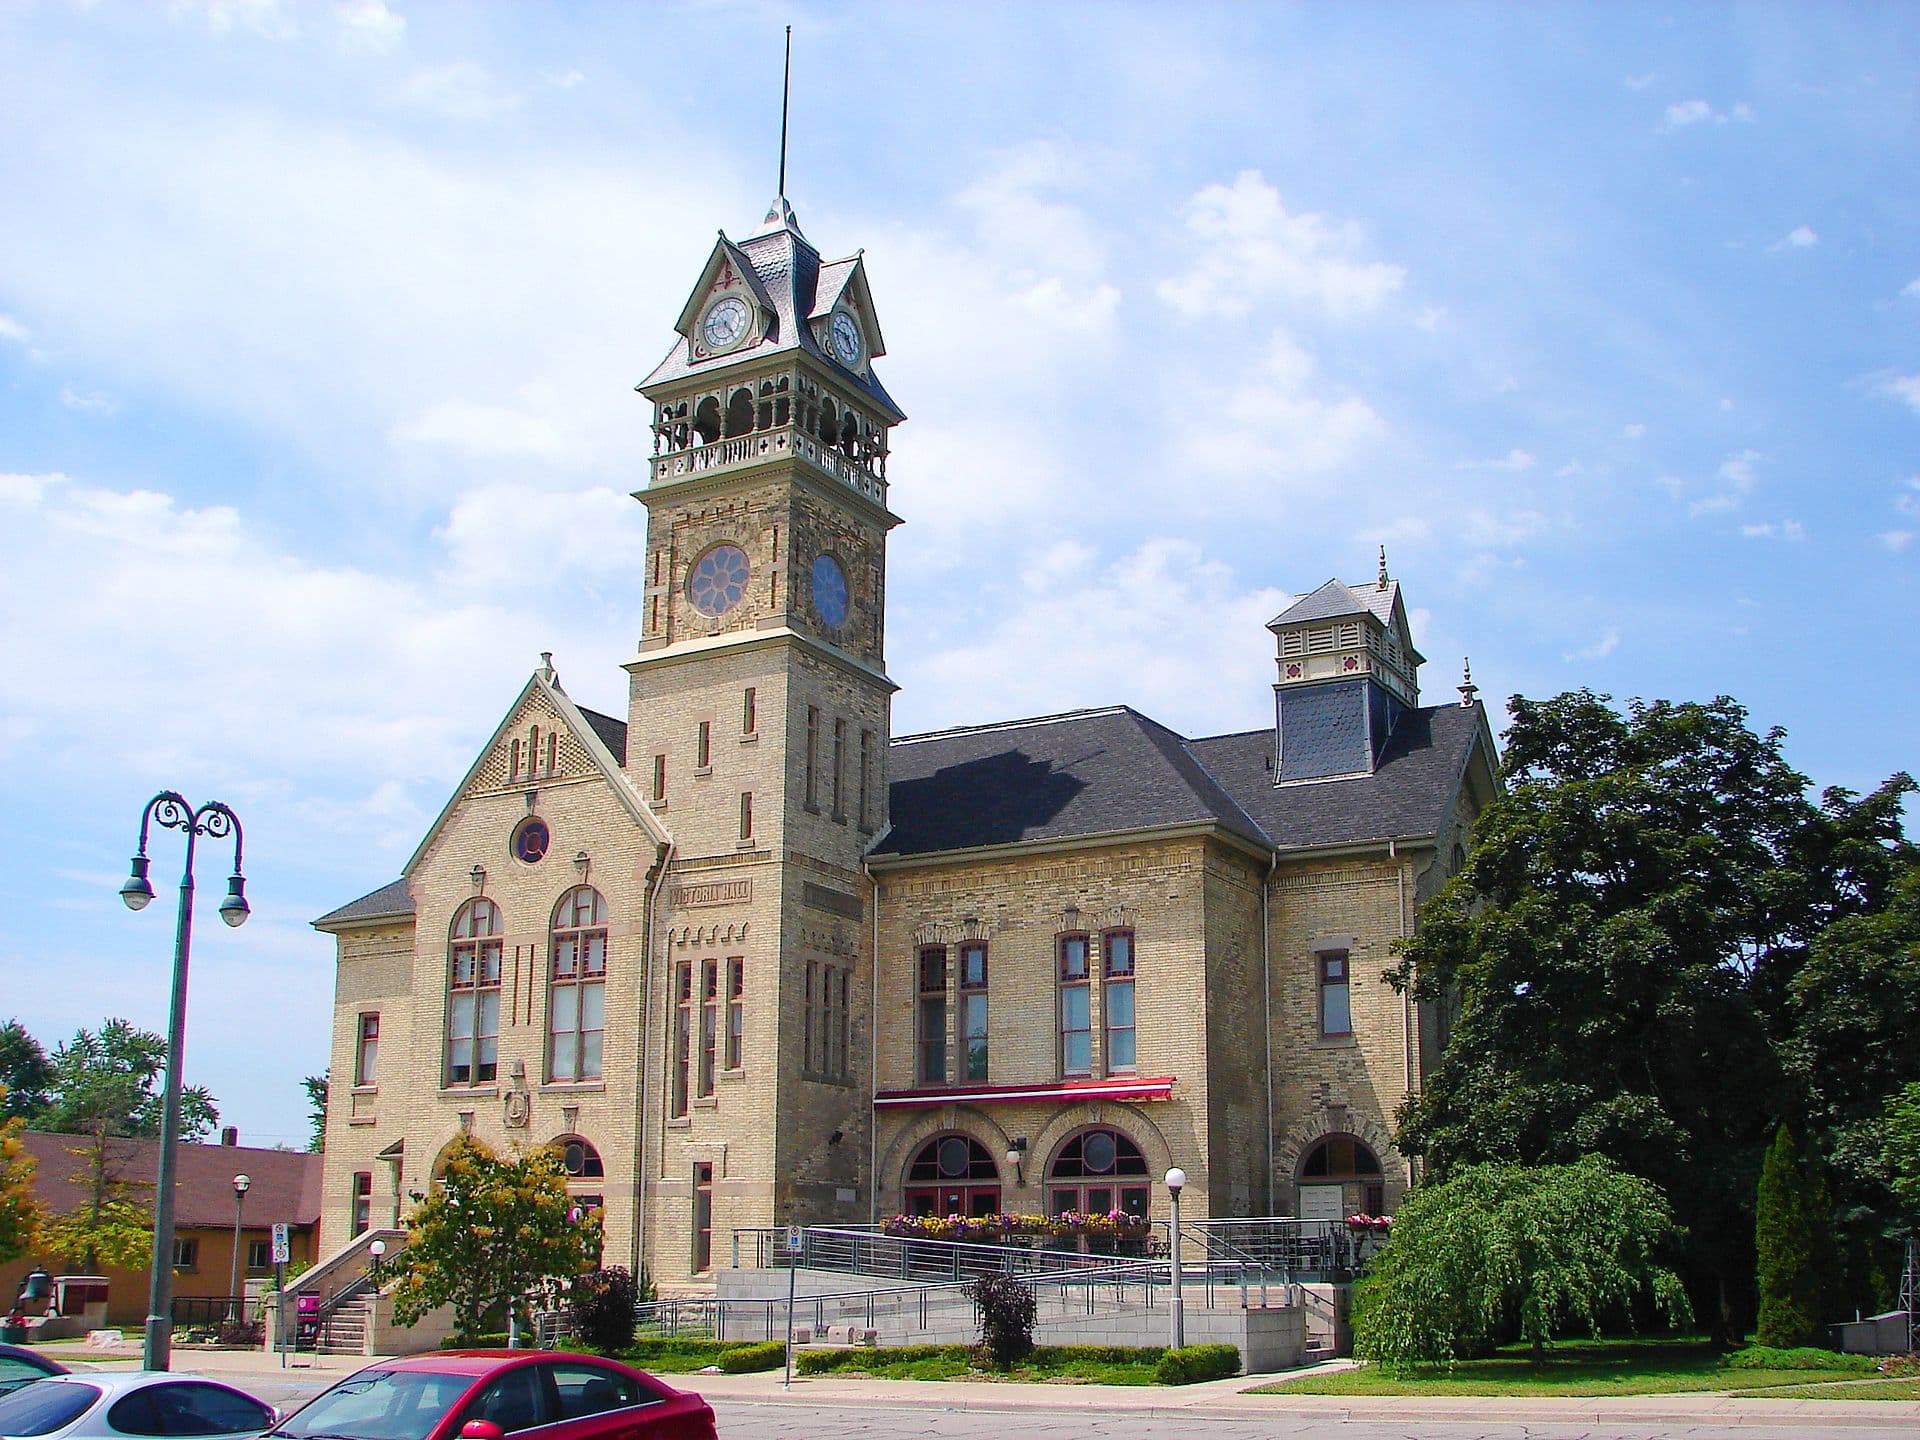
[[1582, 1367], [1050, 1365], [1863, 1390]]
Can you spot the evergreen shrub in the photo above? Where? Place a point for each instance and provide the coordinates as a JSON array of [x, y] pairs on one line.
[[1194, 1363]]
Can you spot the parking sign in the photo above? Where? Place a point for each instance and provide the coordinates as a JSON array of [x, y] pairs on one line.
[[282, 1250], [795, 1240]]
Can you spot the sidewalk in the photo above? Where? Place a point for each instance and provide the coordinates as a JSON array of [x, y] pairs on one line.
[[259, 1372]]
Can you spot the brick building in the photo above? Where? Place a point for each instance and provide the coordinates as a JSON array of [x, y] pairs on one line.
[[753, 960]]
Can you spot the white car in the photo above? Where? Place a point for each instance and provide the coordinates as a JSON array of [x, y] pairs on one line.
[[106, 1406]]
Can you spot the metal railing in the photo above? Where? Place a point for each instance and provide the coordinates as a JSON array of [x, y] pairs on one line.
[[863, 1250], [1299, 1251]]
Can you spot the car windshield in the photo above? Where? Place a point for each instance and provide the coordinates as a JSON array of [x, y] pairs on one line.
[[44, 1406], [376, 1405]]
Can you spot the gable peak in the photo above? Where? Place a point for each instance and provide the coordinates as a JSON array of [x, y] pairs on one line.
[[780, 217]]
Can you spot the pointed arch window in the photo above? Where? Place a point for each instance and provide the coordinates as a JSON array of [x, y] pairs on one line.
[[577, 986], [473, 994]]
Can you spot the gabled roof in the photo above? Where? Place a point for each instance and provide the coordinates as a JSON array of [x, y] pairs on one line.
[[1408, 795], [390, 902], [1335, 600], [284, 1184], [1057, 777], [785, 271]]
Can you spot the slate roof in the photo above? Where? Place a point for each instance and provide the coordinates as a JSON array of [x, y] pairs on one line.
[[285, 1183], [1406, 795], [1090, 772], [612, 732], [1336, 599], [389, 899], [789, 270]]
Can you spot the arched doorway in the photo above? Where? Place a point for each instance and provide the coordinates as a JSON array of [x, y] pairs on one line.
[[952, 1175], [1339, 1173], [1097, 1172]]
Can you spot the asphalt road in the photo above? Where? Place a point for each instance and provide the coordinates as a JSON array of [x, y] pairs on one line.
[[774, 1421]]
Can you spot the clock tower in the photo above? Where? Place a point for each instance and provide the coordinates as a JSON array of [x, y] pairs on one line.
[[758, 726]]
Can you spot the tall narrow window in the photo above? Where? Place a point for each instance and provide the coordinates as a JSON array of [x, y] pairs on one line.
[[806, 1017], [709, 1022], [368, 1054], [839, 767], [553, 749], [577, 981], [973, 1010], [1336, 1001], [746, 815], [659, 777], [1116, 998], [830, 1018], [843, 1024], [749, 703], [682, 1035], [736, 1011], [813, 757], [933, 1015], [362, 1201], [513, 761], [1076, 1014], [866, 779], [703, 1216], [703, 745], [473, 995]]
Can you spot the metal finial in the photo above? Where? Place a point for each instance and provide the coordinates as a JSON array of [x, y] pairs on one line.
[[786, 89], [1383, 567], [1467, 688]]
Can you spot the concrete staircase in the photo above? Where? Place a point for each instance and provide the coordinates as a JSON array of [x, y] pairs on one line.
[[348, 1329]]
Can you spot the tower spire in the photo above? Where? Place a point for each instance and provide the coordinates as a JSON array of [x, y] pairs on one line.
[[1467, 688], [786, 89], [1382, 581]]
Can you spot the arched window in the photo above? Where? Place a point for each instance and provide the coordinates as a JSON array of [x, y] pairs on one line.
[[1327, 1170], [953, 1175], [581, 1159], [706, 420], [473, 995], [1097, 1172], [577, 985], [829, 422], [740, 412]]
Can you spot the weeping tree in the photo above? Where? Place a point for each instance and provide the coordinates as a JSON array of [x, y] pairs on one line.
[[1503, 1249]]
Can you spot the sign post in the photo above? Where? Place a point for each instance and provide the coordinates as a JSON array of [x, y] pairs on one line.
[[796, 1241], [282, 1252]]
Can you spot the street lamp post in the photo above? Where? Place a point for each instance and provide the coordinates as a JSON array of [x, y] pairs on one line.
[[172, 812], [1176, 1182], [236, 1308]]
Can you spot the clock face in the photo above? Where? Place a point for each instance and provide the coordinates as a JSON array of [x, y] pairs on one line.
[[718, 580], [830, 592], [724, 323], [845, 335]]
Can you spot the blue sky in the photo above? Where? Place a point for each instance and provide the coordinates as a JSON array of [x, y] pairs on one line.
[[318, 328]]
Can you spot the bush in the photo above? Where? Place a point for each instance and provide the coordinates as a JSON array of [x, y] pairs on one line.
[[823, 1362], [1006, 1309], [1792, 1246], [767, 1355], [1097, 1354], [490, 1340], [1197, 1362], [239, 1333], [1800, 1357], [602, 1303]]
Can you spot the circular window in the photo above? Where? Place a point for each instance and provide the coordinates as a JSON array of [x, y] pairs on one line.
[[718, 580], [530, 840], [1099, 1153], [830, 592], [954, 1155]]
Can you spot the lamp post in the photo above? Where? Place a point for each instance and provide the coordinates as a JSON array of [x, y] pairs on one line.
[[172, 812], [1176, 1182], [378, 1250], [237, 1309]]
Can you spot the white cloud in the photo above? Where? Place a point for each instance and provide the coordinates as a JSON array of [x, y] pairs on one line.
[[564, 79], [1896, 540], [1276, 420], [92, 403], [1683, 113], [1775, 530], [1515, 460], [1905, 388], [12, 329], [1737, 476], [493, 531], [1163, 628], [1801, 237], [1640, 82], [223, 17], [500, 432], [1608, 642], [369, 25], [1483, 527], [1634, 431], [1911, 290], [464, 90], [1250, 248]]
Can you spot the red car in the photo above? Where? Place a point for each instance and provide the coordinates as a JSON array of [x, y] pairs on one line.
[[488, 1394]]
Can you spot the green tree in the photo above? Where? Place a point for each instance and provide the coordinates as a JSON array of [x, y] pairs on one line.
[[1900, 1149], [110, 1082], [112, 1223], [25, 1073], [20, 1214], [1500, 1249], [1793, 1218], [316, 1087], [496, 1229], [1614, 950]]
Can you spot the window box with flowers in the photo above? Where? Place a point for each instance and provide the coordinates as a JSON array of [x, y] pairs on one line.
[[988, 1229]]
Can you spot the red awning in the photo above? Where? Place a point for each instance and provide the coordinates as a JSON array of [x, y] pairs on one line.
[[1125, 1087]]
